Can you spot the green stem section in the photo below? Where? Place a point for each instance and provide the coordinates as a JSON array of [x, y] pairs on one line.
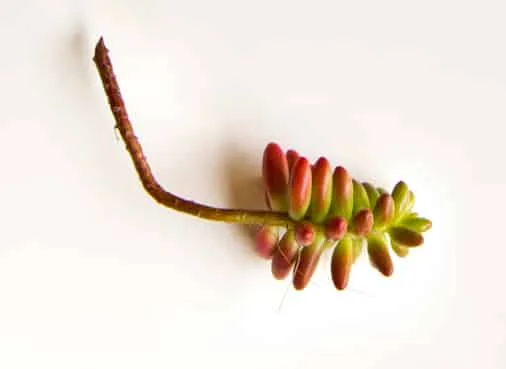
[[149, 182]]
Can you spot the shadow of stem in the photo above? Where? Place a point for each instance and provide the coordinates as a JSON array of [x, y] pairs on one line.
[[243, 187]]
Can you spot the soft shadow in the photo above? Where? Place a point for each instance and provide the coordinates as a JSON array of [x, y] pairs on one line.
[[76, 57], [242, 185], [85, 130]]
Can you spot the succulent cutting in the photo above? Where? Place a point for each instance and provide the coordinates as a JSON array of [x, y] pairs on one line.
[[312, 207]]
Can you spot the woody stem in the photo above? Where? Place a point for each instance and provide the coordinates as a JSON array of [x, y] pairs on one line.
[[149, 182]]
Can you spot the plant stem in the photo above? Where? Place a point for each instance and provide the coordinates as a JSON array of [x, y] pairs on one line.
[[150, 184]]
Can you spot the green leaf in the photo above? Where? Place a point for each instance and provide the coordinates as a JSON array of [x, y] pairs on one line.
[[360, 197]]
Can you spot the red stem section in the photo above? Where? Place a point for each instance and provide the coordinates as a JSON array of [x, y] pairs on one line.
[[149, 182]]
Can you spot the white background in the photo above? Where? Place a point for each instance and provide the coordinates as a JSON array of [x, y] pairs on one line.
[[94, 274]]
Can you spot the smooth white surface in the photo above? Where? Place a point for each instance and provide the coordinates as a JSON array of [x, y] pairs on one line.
[[94, 274]]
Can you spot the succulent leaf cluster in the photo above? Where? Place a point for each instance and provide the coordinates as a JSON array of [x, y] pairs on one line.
[[332, 212]]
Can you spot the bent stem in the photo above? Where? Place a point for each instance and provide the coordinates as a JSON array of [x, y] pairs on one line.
[[149, 182]]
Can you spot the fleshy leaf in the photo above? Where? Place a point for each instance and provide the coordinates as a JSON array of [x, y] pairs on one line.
[[416, 224], [299, 189], [341, 263], [266, 239], [307, 263], [400, 251], [405, 236], [372, 193], [284, 255], [360, 197], [321, 193], [358, 246], [401, 197], [384, 211], [305, 233], [362, 222], [342, 194], [336, 228], [275, 176], [379, 256]]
